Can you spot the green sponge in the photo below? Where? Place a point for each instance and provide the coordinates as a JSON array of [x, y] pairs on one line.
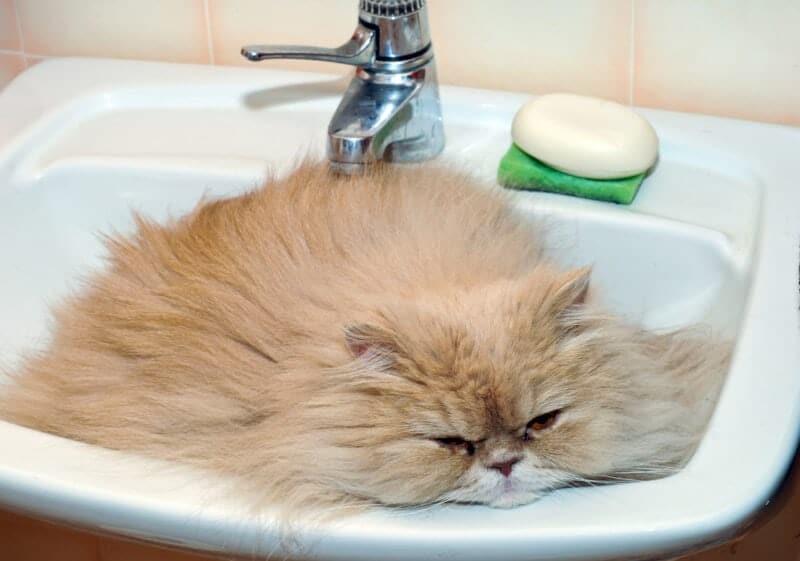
[[519, 170]]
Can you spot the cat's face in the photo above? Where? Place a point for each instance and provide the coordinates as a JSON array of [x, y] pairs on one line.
[[480, 397]]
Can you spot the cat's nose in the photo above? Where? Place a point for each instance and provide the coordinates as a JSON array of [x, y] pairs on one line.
[[505, 467]]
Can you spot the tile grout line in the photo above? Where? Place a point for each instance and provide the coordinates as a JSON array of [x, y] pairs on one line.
[[209, 38], [21, 35], [632, 56]]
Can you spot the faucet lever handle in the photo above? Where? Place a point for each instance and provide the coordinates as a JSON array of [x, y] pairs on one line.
[[358, 51]]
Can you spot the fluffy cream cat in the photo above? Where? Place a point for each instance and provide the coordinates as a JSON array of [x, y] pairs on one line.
[[396, 339]]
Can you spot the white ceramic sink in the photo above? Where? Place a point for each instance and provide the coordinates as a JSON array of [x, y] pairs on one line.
[[712, 238]]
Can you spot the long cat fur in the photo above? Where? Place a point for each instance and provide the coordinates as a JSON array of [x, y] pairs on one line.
[[314, 338]]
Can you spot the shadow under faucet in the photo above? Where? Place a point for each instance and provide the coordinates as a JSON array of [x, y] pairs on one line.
[[294, 93]]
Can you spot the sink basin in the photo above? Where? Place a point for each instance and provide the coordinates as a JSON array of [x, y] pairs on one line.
[[711, 238]]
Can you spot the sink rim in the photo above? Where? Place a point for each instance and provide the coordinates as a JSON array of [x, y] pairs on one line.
[[407, 538]]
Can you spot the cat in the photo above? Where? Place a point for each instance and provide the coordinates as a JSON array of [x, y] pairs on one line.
[[393, 338]]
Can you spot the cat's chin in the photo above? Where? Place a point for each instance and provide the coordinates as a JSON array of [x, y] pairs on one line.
[[511, 499]]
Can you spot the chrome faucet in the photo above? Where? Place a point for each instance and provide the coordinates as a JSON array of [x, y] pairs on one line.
[[391, 110]]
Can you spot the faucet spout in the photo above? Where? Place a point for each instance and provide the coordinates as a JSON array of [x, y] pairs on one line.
[[391, 108], [393, 117]]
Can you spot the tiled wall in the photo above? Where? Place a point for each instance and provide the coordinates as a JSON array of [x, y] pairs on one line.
[[736, 58]]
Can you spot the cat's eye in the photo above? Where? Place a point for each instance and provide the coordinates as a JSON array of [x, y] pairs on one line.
[[541, 423], [457, 444]]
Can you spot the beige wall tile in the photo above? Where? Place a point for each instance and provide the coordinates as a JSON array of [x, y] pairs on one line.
[[323, 23], [172, 30], [579, 46], [735, 58], [9, 35], [11, 64]]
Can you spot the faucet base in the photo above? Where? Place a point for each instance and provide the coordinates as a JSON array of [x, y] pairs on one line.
[[395, 117]]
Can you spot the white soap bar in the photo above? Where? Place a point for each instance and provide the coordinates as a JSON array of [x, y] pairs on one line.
[[585, 136]]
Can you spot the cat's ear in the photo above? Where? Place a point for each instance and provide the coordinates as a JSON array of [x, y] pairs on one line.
[[573, 289], [363, 338]]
